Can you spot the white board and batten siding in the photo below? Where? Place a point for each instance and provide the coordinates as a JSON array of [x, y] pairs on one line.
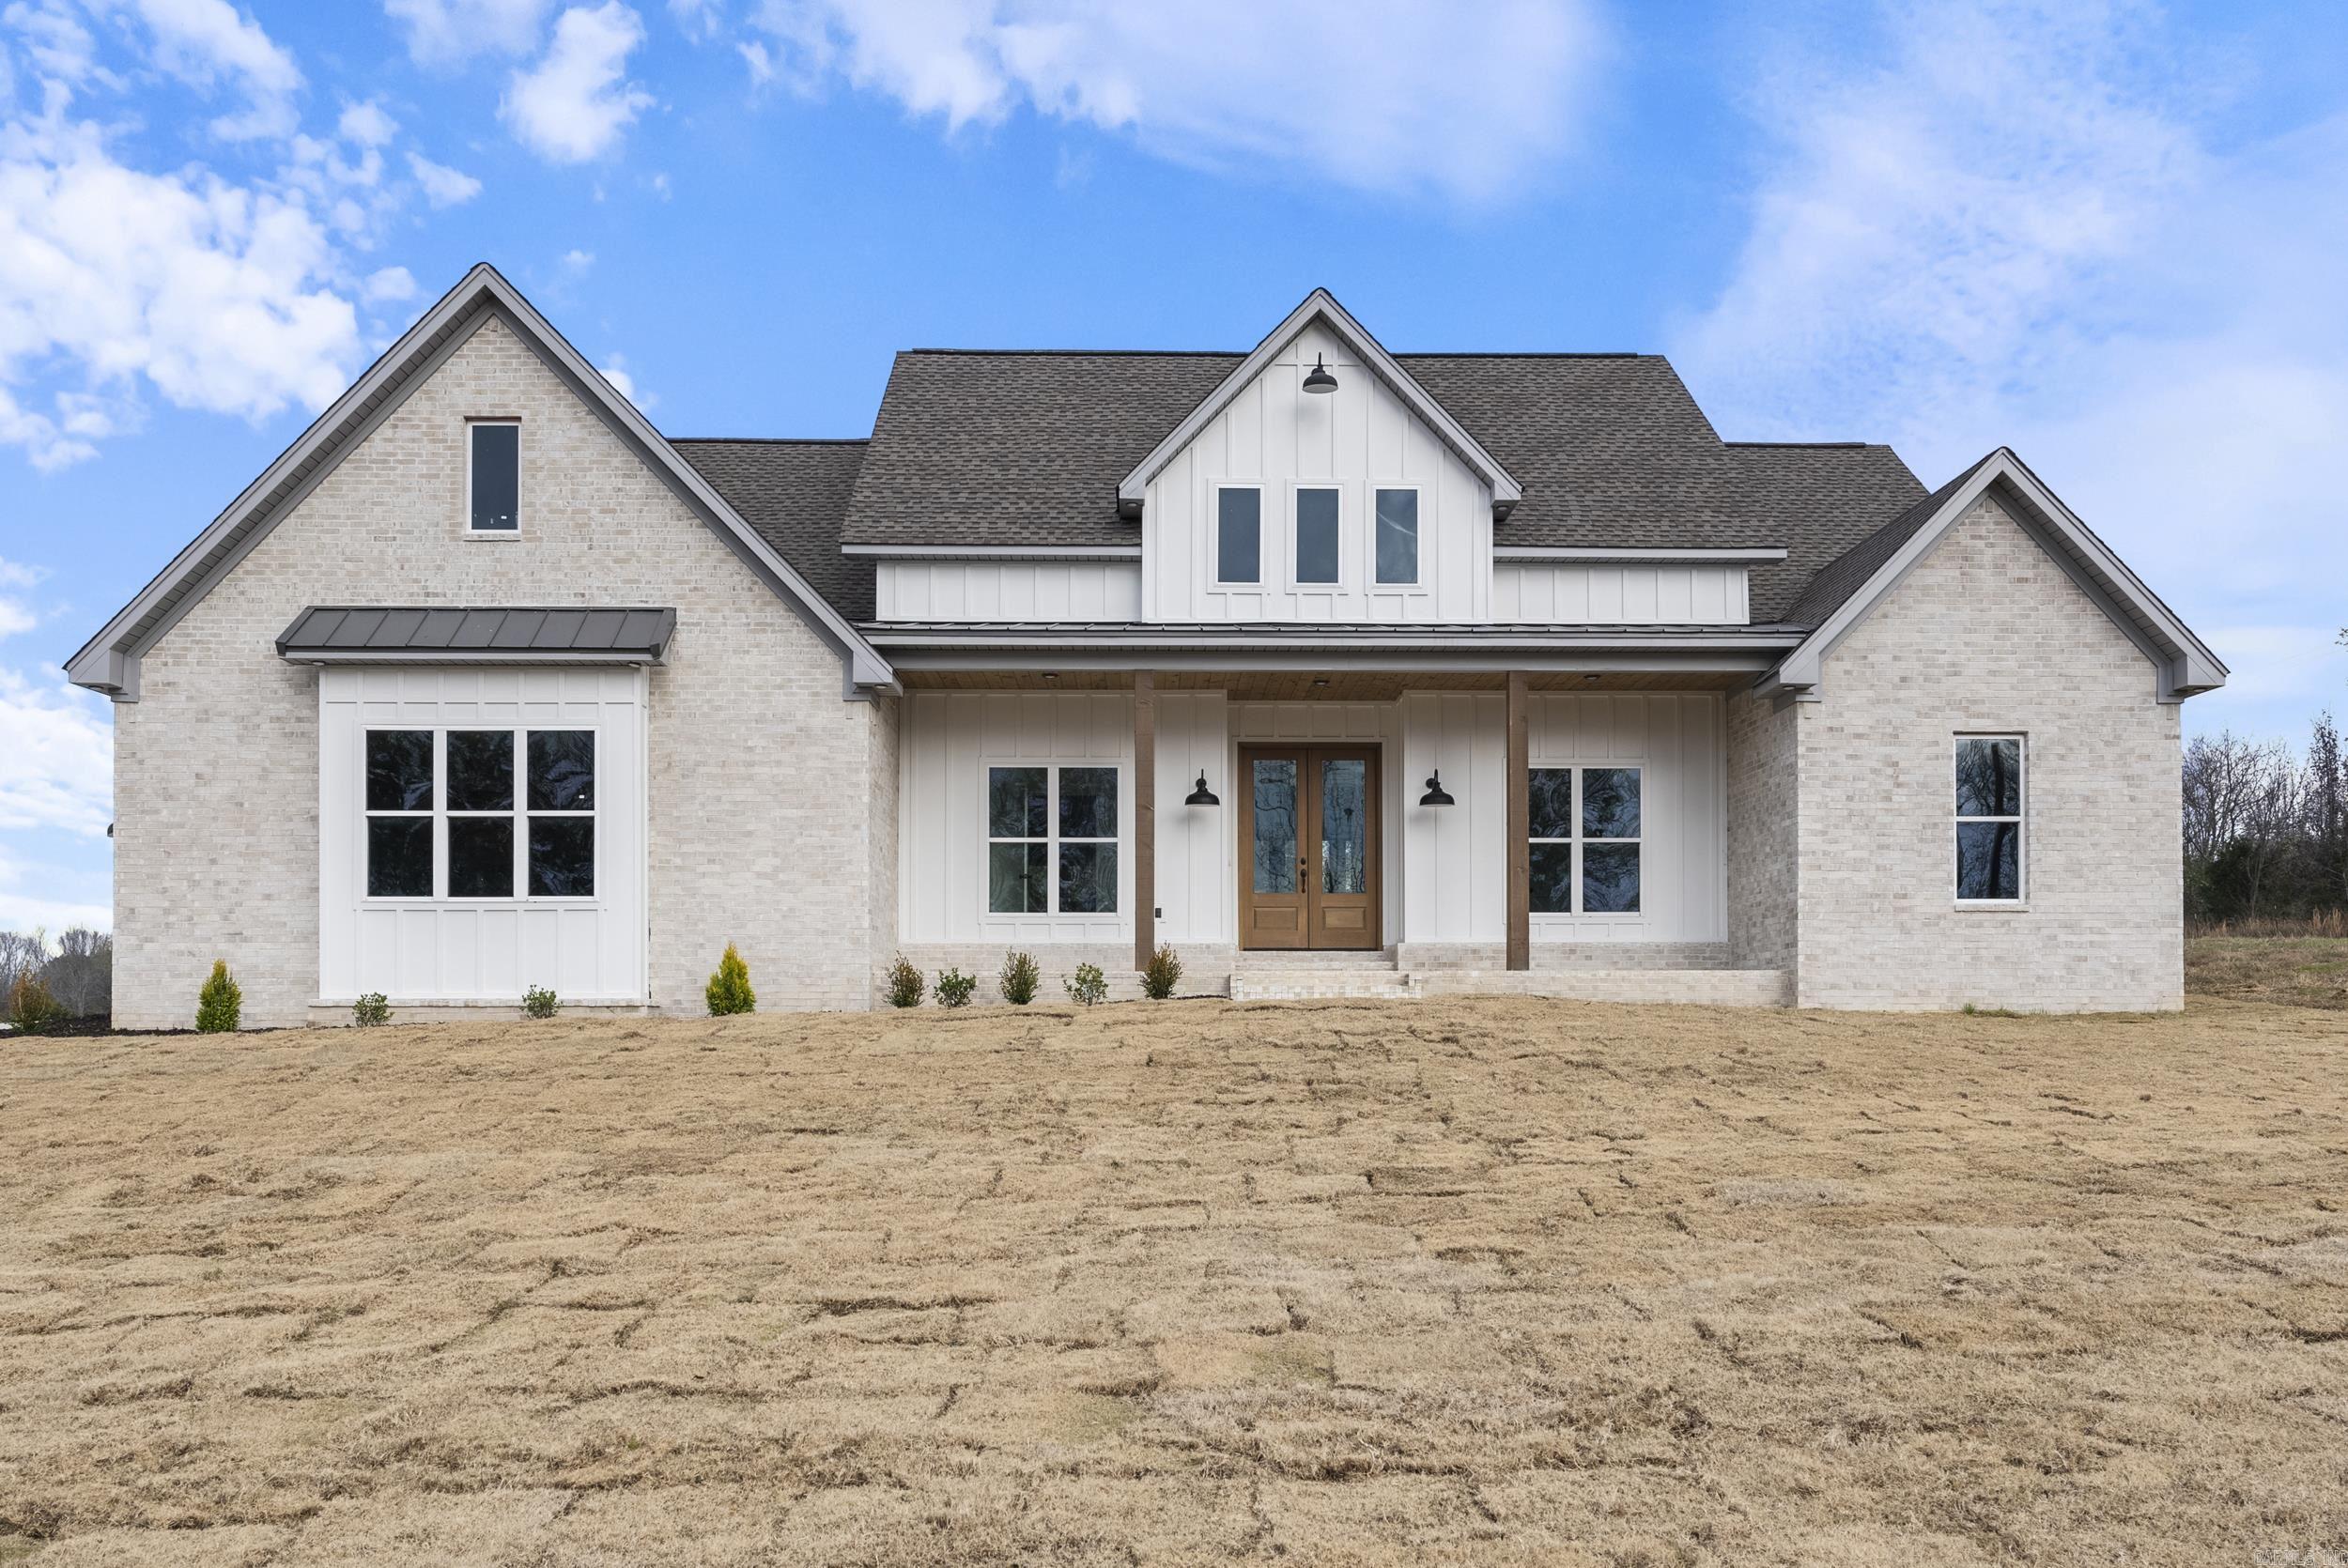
[[1274, 433], [458, 950], [1015, 591], [1455, 870], [948, 742], [1600, 593]]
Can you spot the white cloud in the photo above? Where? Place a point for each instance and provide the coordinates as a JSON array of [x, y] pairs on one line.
[[23, 909], [574, 104], [367, 123], [56, 772], [390, 286], [16, 579], [2013, 225], [1469, 100], [203, 41], [700, 19], [448, 32], [442, 186], [760, 63], [620, 379]]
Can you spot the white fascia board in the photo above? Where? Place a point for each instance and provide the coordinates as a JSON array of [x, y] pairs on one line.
[[993, 552], [2185, 664], [1327, 641], [1320, 304], [1254, 660], [109, 661], [1619, 555]]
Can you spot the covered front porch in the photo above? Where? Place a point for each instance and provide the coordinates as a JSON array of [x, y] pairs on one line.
[[1300, 832]]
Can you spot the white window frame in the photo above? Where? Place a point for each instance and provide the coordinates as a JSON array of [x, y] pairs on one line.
[[1052, 839], [1577, 840], [521, 814], [516, 531], [2020, 818], [1371, 582], [1214, 533], [1346, 545]]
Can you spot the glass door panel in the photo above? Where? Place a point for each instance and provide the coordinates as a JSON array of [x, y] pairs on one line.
[[1274, 782], [1344, 825]]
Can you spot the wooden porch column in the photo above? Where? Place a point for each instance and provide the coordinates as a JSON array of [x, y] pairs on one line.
[[1145, 817], [1520, 826]]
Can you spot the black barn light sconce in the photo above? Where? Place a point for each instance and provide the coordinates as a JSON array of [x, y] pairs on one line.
[[1201, 795], [1319, 379], [1436, 794]]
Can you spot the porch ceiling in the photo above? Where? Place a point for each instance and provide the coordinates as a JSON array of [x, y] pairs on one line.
[[1353, 685]]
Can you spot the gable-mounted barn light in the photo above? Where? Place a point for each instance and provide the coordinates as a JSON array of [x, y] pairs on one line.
[[1201, 795], [1436, 794], [1318, 380]]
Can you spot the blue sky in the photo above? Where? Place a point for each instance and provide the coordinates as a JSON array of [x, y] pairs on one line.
[[2108, 234]]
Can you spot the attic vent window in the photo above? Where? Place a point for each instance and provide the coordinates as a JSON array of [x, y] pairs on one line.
[[494, 478]]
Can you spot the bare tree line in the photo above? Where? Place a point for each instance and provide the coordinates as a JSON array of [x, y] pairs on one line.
[[80, 972], [2265, 828]]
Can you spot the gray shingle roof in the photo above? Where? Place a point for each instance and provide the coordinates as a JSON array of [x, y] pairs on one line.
[[1836, 580], [795, 495], [1018, 447], [1818, 501], [583, 631]]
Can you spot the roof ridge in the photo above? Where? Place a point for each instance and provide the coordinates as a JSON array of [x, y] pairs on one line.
[[1816, 446], [1240, 354], [776, 441]]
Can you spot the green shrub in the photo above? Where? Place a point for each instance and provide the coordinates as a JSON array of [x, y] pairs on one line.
[[954, 988], [219, 1004], [371, 1010], [1019, 978], [905, 984], [1088, 987], [730, 988], [538, 1001], [32, 1006], [1162, 974]]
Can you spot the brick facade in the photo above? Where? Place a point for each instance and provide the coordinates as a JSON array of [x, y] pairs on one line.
[[768, 823], [1988, 634]]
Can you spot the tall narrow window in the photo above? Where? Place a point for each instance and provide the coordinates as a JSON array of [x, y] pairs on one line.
[[562, 813], [1397, 536], [1584, 854], [1989, 819], [496, 469], [480, 813], [1237, 534], [399, 813], [1316, 534], [1052, 837]]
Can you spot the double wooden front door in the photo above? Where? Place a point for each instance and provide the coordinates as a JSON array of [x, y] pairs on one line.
[[1309, 846]]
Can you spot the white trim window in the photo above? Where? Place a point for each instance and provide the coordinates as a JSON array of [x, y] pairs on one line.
[[1051, 838], [1317, 540], [1397, 546], [1239, 534], [493, 477], [1584, 828], [1991, 805], [444, 819]]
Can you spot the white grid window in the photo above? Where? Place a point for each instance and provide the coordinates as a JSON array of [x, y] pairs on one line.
[[1989, 815], [1584, 831], [1051, 835], [467, 813]]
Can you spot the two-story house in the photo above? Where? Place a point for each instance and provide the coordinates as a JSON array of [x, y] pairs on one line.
[[1339, 670]]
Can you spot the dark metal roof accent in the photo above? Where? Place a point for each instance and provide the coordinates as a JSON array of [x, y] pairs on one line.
[[330, 634]]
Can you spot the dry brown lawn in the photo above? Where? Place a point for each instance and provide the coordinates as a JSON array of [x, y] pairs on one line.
[[1499, 1280], [2299, 971]]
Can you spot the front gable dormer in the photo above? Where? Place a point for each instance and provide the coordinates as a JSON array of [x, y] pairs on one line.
[[1281, 498]]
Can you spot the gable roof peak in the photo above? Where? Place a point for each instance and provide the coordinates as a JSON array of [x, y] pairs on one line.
[[1319, 305]]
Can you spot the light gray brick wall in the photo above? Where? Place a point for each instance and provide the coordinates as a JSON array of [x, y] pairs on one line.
[[1764, 819], [764, 781], [1989, 634]]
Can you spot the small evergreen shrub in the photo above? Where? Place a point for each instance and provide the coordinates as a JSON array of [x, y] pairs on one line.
[[1162, 974], [954, 988], [31, 1006], [219, 1004], [1019, 978], [730, 988], [1088, 987], [538, 1001], [371, 1010], [905, 984]]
